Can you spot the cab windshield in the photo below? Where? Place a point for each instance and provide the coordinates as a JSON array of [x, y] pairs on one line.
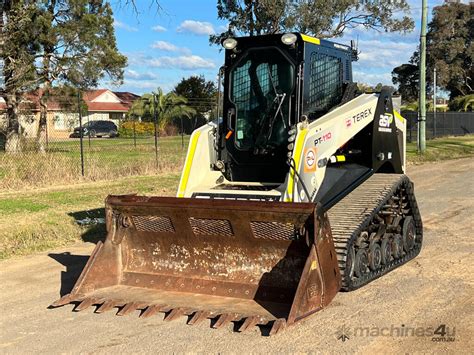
[[261, 86]]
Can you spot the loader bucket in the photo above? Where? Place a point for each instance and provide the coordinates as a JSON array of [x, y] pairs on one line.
[[252, 263]]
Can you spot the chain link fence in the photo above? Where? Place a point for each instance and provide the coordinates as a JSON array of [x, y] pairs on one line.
[[130, 147], [440, 124], [107, 149]]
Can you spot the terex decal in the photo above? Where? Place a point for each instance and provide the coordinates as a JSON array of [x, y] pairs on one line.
[[385, 121], [360, 116]]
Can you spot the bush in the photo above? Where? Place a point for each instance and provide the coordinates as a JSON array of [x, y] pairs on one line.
[[145, 129], [141, 129]]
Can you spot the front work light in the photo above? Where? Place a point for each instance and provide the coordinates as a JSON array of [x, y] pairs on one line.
[[229, 43], [288, 38]]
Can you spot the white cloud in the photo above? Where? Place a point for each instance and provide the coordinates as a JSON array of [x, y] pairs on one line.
[[124, 26], [185, 62], [196, 27], [143, 86], [169, 47], [138, 87], [132, 74], [384, 54], [164, 46], [158, 28]]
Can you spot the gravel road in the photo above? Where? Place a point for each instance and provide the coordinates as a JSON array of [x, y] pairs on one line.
[[393, 314]]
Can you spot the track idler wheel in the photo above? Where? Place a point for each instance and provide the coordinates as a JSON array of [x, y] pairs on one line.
[[409, 233], [361, 266], [375, 256]]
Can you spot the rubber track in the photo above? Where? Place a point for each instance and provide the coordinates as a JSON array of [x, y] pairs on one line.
[[353, 214]]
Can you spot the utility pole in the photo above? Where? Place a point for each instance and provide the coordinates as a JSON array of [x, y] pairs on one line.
[[434, 102], [155, 116], [81, 134], [422, 105]]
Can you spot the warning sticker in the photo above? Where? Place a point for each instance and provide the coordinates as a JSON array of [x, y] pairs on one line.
[[310, 160]]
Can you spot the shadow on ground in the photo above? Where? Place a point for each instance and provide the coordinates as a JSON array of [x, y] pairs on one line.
[[93, 222], [74, 265]]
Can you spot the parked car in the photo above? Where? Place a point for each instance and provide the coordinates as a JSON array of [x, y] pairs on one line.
[[96, 129]]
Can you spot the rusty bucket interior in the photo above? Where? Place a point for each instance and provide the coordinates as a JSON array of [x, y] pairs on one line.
[[248, 262]]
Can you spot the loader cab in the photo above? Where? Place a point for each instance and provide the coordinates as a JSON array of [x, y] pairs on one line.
[[271, 83]]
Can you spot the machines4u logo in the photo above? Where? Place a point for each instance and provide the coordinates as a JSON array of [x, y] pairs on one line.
[[385, 122]]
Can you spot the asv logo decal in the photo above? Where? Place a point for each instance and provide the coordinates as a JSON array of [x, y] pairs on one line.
[[384, 123]]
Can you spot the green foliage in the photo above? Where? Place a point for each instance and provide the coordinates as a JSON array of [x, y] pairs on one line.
[[371, 89], [462, 103], [141, 129], [201, 95], [450, 47], [56, 42], [320, 18], [406, 76], [166, 106]]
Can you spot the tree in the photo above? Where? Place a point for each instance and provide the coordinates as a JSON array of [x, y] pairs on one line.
[[319, 18], [462, 103], [17, 56], [406, 76], [201, 95], [450, 47], [77, 47], [168, 106], [371, 89], [68, 42]]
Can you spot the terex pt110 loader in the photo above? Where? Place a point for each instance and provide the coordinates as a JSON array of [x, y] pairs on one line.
[[297, 192]]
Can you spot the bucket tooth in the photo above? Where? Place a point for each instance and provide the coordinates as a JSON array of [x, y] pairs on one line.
[[249, 322], [198, 317], [152, 310], [62, 301], [224, 319], [174, 314], [86, 303], [277, 326], [129, 308], [107, 306]]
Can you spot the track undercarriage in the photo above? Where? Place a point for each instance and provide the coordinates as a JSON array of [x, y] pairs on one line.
[[376, 228]]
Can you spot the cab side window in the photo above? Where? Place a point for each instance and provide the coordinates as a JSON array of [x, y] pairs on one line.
[[325, 83]]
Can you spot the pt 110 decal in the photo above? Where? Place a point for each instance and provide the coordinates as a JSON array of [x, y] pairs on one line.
[[324, 138], [385, 123]]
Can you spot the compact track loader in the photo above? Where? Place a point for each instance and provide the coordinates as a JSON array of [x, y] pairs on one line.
[[296, 193]]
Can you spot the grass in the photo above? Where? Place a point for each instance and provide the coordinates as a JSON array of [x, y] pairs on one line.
[[104, 159], [32, 221], [442, 149], [50, 216]]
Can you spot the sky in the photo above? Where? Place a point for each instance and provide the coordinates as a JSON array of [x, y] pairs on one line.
[[168, 44]]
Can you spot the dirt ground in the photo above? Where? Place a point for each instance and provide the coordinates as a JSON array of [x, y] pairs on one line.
[[394, 314]]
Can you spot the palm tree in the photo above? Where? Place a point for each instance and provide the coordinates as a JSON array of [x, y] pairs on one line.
[[163, 108]]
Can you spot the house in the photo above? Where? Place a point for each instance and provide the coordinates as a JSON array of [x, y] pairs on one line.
[[102, 104]]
